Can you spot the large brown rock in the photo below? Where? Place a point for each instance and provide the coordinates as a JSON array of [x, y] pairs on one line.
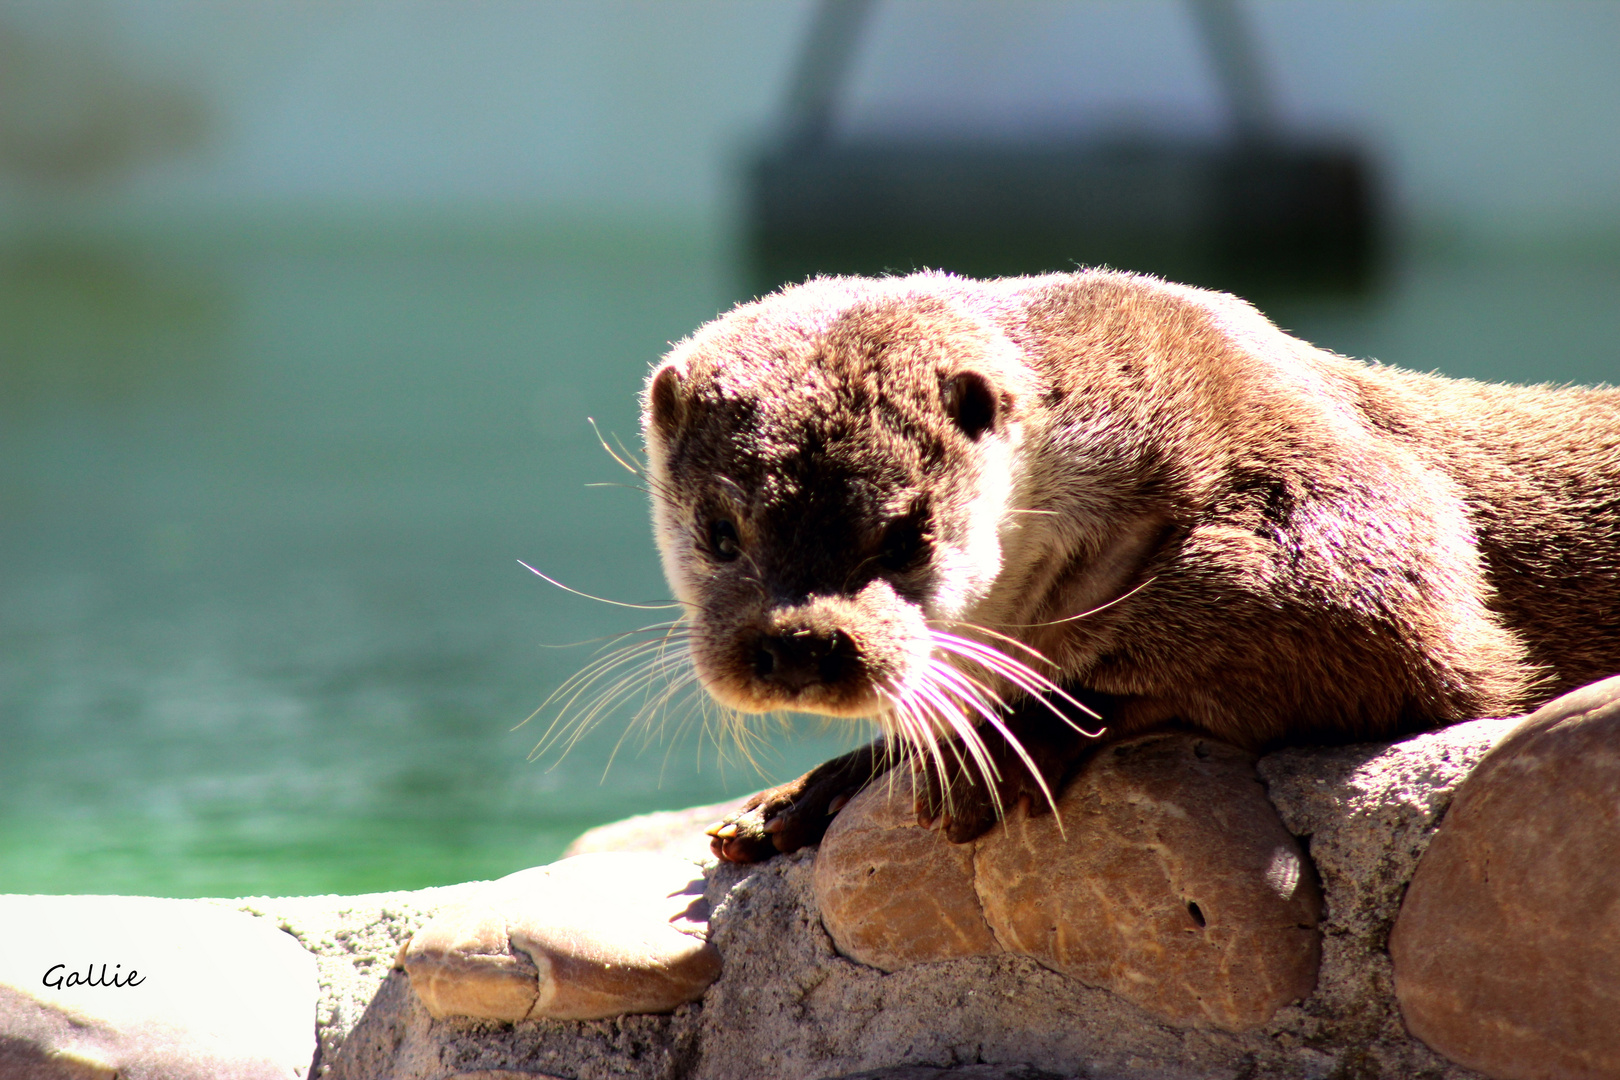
[[589, 937], [1182, 891], [1165, 877], [893, 895], [1507, 947]]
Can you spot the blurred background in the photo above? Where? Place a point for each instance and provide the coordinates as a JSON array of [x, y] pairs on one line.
[[304, 307]]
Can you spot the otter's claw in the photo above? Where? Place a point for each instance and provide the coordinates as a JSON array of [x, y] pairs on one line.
[[961, 805], [794, 815], [742, 837], [953, 794]]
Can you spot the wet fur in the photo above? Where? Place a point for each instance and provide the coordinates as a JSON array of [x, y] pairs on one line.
[[1274, 544]]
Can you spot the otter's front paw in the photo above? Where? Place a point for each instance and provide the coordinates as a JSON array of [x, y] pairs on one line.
[[959, 803], [770, 822], [794, 815], [965, 800]]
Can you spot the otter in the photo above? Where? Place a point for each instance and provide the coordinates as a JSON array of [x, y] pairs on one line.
[[998, 516]]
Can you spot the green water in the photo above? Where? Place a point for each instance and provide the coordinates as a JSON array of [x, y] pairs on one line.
[[262, 501]]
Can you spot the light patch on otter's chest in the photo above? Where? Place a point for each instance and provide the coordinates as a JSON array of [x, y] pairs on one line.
[[966, 573]]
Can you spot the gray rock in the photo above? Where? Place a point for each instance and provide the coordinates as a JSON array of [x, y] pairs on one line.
[[140, 988], [589, 937], [1507, 949], [1368, 812], [962, 1072], [398, 1039], [1165, 877], [787, 1006], [355, 941]]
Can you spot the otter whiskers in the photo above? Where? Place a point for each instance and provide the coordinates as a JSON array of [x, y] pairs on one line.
[[615, 677], [656, 674], [936, 718], [1019, 674], [947, 701], [599, 599]]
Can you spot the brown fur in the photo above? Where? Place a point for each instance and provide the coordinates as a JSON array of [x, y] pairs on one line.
[[1274, 543]]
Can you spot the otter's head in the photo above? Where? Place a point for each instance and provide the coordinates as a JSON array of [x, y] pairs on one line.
[[831, 468]]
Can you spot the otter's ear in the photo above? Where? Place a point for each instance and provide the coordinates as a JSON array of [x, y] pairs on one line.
[[971, 402], [664, 400]]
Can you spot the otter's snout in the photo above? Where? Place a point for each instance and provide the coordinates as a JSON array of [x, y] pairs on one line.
[[804, 657], [828, 654]]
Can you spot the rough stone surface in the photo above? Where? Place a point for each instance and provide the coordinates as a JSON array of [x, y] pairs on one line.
[[663, 832], [893, 895], [1169, 881], [1175, 886], [787, 1006], [398, 1039], [1369, 812], [1507, 949], [200, 993], [589, 937], [963, 1072], [355, 941]]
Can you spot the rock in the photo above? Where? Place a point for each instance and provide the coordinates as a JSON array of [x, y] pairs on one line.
[[663, 832], [355, 941], [961, 1072], [1170, 881], [183, 990], [1507, 948], [1369, 811], [398, 1039], [592, 936], [787, 1006], [893, 895]]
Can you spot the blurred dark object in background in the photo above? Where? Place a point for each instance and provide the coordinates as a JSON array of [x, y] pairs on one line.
[[1258, 212]]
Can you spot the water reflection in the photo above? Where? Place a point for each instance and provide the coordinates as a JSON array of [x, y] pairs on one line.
[[75, 113], [264, 628], [106, 323]]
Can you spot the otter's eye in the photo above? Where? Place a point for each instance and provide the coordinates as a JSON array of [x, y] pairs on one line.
[[723, 543], [904, 544], [971, 402]]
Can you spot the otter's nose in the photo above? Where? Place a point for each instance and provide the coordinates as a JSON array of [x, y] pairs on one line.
[[802, 658]]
